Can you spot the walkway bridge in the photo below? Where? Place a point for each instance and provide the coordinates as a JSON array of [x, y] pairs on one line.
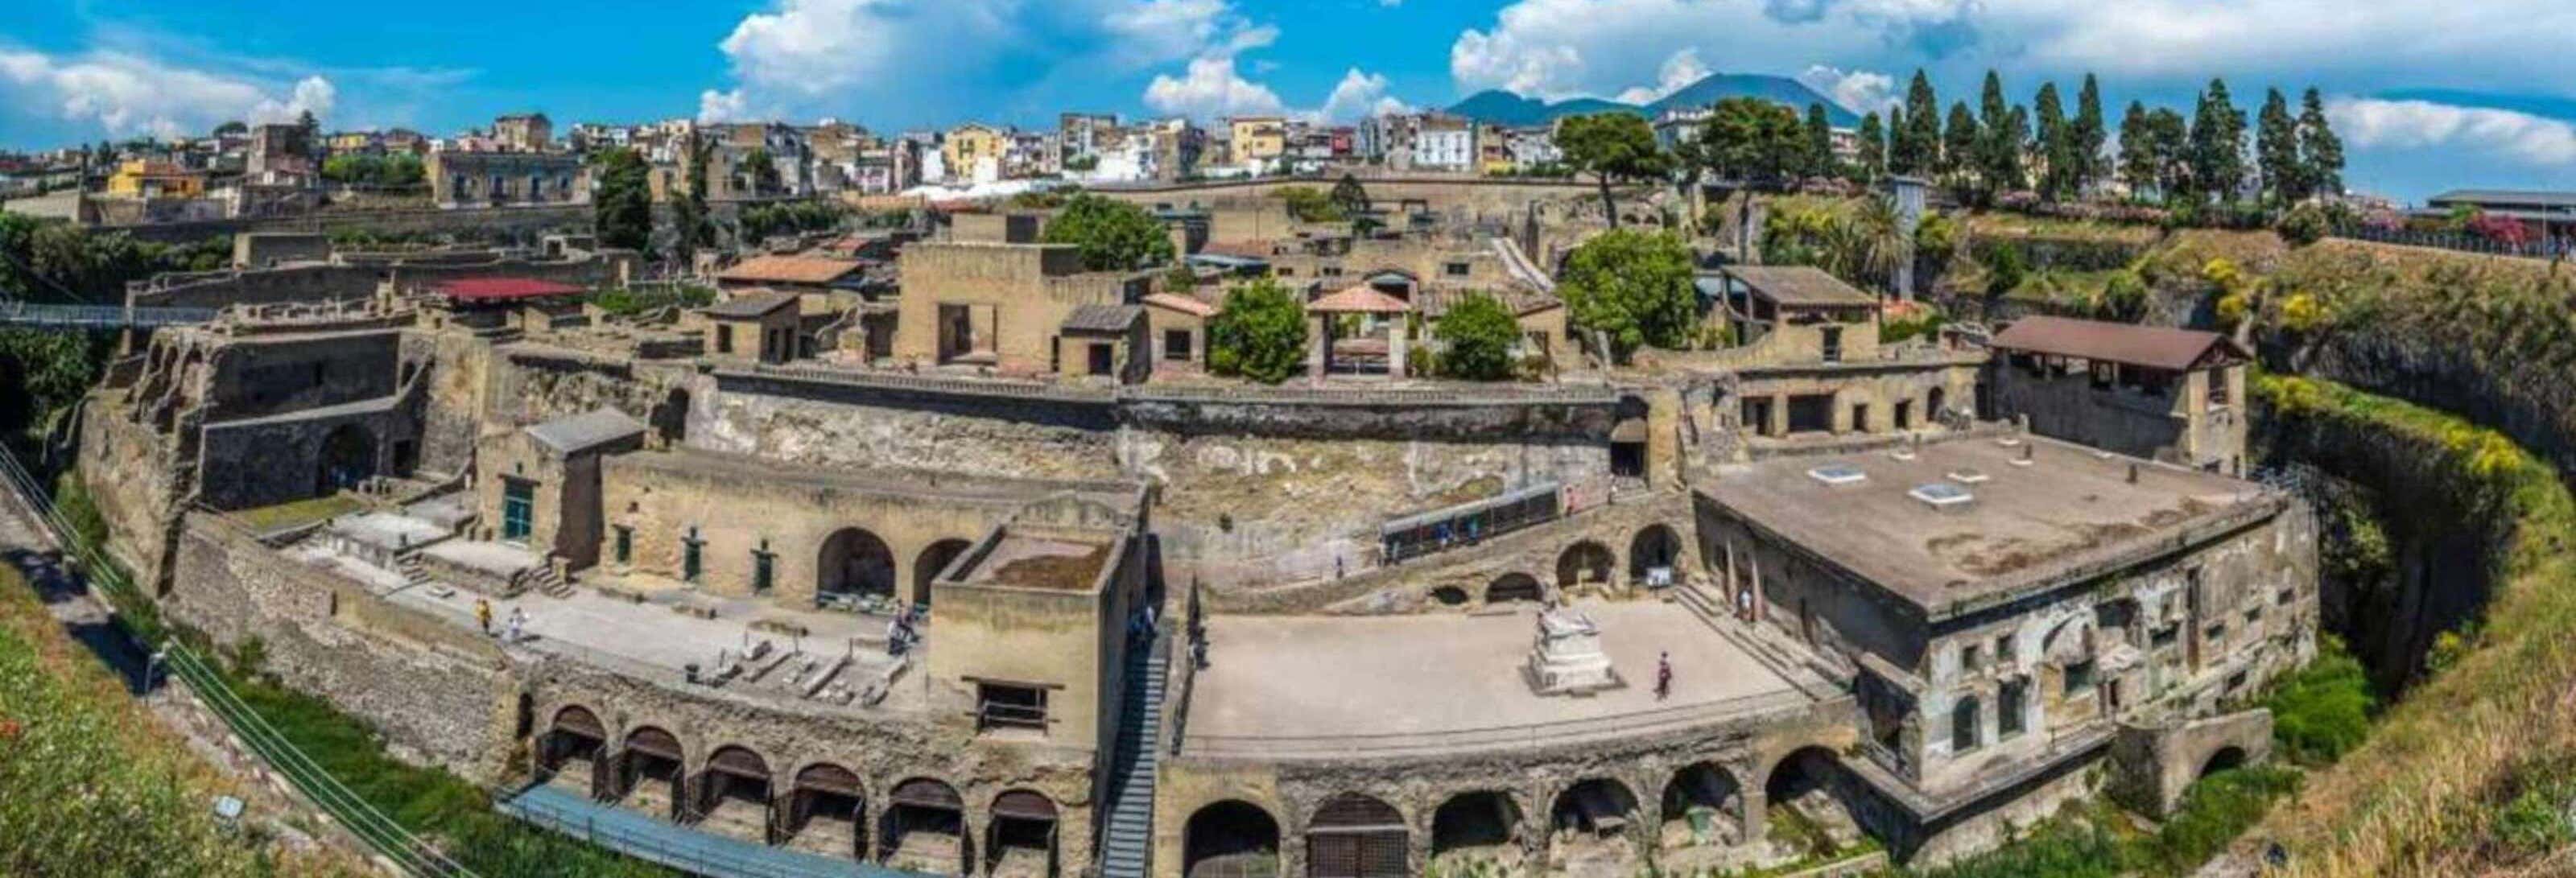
[[689, 850], [16, 313]]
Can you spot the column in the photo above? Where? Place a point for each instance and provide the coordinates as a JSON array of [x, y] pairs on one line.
[[1395, 345], [1319, 335]]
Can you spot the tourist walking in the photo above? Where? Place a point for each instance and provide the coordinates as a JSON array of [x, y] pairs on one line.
[[1663, 676], [483, 615], [518, 623]]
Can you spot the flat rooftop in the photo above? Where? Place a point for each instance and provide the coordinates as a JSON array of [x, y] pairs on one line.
[[932, 484], [1047, 562], [2022, 526], [1356, 685]]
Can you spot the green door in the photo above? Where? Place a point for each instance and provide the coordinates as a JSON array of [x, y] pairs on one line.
[[518, 510]]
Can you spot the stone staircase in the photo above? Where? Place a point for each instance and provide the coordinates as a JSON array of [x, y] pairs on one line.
[[545, 580], [1812, 674], [1125, 849], [413, 572]]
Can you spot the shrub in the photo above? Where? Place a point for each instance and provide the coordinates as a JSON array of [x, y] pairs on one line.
[[1259, 334], [2004, 270], [2124, 297], [1112, 235], [2303, 225], [1635, 287], [2322, 711], [1477, 336]]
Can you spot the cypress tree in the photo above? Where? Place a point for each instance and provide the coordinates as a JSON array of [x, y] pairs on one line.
[[2137, 151], [1819, 143], [2217, 145], [1873, 149], [1921, 135], [2276, 150], [2088, 135], [1999, 153], [2055, 144], [1963, 139], [2320, 151]]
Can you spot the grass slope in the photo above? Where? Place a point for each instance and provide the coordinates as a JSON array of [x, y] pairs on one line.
[[2472, 772], [95, 785]]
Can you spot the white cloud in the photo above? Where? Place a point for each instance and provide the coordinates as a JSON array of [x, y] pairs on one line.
[[1359, 95], [1563, 48], [723, 106], [128, 94], [959, 58], [1860, 91], [1678, 72], [2411, 125], [1212, 88]]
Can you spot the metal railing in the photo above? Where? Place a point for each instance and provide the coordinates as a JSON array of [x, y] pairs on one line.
[[2542, 248], [660, 847], [99, 316], [407, 852]]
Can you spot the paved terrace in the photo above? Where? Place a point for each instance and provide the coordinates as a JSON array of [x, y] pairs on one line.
[[654, 639], [1280, 687], [2066, 510]]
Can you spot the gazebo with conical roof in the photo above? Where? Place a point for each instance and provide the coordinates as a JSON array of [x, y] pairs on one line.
[[1357, 300]]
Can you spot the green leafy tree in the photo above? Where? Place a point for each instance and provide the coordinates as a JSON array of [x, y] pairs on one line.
[[763, 169], [1752, 139], [1999, 149], [1112, 235], [1349, 198], [233, 127], [2137, 164], [1634, 288], [1308, 204], [1918, 149], [2169, 136], [1819, 151], [621, 199], [1872, 161], [2217, 146], [1958, 159], [2276, 149], [2055, 144], [1476, 338], [2005, 270], [1616, 146], [2320, 151], [2087, 136], [1260, 333]]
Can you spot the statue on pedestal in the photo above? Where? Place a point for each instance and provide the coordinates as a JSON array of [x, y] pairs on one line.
[[1566, 657]]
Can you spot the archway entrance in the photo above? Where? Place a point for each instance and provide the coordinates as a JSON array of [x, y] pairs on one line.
[[1230, 840], [1355, 836], [2225, 759], [1589, 824], [733, 796], [926, 568], [1022, 838], [1583, 563], [347, 457], [1513, 587], [853, 563], [826, 812], [1810, 806], [925, 828], [1479, 824], [650, 772], [1652, 554], [568, 755], [1702, 805]]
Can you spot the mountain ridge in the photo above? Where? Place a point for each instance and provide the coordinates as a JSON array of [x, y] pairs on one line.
[[1500, 107]]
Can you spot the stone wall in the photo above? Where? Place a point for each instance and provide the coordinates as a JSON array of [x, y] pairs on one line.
[[2151, 765], [439, 695]]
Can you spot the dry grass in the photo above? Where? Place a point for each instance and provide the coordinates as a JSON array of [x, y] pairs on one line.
[[298, 513], [2416, 799]]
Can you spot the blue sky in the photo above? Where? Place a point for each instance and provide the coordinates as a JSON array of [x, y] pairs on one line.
[[2429, 93]]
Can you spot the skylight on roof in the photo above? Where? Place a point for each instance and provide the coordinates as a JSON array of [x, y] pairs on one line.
[[1941, 495], [1969, 475], [1838, 474]]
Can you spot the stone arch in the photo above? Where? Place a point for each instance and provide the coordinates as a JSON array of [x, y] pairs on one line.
[[1598, 806], [923, 826], [1023, 828], [1515, 586], [1230, 838], [1353, 835], [345, 457], [2223, 759], [854, 561], [1450, 596], [933, 559], [571, 747], [1810, 788], [826, 811], [1702, 804], [1481, 823], [652, 771], [1654, 546], [733, 794], [1584, 562]]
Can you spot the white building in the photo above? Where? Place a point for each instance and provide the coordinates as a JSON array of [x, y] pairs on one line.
[[1444, 143]]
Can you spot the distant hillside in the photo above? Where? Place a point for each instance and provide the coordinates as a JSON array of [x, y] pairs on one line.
[[1505, 108]]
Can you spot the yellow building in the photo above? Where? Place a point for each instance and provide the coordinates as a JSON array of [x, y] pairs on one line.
[[972, 147], [145, 178], [1259, 138]]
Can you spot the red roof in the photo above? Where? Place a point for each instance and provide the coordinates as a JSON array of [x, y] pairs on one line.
[[2151, 346], [1360, 300], [503, 289]]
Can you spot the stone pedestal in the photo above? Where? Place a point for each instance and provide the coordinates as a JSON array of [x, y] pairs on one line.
[[1566, 656]]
